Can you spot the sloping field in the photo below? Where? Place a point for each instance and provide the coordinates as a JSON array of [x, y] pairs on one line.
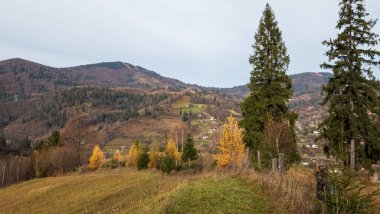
[[129, 191]]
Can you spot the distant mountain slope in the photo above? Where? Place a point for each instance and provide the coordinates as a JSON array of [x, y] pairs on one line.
[[35, 98], [303, 83], [22, 79], [309, 83]]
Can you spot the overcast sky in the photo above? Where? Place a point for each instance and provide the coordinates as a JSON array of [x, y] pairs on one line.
[[196, 41]]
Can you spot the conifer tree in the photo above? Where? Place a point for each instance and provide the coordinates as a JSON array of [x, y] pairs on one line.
[[143, 159], [231, 146], [96, 158], [189, 151], [269, 84], [53, 139], [352, 94]]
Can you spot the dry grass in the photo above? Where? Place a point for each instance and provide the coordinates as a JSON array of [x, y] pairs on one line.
[[294, 192], [369, 189], [124, 190], [128, 191], [120, 190]]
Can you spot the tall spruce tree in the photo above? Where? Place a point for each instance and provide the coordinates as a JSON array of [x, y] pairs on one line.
[[269, 84], [352, 94]]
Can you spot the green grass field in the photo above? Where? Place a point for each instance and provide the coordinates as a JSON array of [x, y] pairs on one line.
[[128, 191], [185, 105], [218, 195]]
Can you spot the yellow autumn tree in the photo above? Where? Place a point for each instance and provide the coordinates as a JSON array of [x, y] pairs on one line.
[[97, 158], [171, 150], [133, 155], [154, 155], [231, 146]]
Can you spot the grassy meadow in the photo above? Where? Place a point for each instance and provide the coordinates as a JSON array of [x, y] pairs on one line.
[[128, 191]]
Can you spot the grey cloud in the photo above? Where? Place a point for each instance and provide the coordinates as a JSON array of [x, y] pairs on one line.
[[203, 42]]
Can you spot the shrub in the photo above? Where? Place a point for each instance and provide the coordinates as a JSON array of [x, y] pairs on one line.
[[118, 158], [344, 193], [112, 163], [3, 142], [168, 164], [143, 160]]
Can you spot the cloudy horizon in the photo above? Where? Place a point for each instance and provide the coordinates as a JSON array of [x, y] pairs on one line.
[[200, 42]]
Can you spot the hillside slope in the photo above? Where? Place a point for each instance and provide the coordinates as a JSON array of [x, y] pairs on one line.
[[128, 191], [20, 79], [36, 99]]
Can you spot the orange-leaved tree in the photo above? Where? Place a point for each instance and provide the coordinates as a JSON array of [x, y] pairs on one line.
[[97, 158], [231, 146], [171, 150], [133, 155]]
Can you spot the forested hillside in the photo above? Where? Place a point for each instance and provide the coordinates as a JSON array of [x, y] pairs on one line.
[[46, 98]]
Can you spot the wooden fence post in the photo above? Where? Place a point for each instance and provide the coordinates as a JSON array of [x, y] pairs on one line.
[[3, 179], [281, 164], [274, 164], [258, 159]]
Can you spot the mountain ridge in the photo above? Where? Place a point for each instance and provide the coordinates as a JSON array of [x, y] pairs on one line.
[[35, 95], [116, 65]]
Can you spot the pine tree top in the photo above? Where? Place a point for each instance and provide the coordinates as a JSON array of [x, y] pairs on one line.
[[270, 58], [352, 49]]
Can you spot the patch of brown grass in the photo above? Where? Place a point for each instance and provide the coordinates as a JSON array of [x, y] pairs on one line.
[[294, 192]]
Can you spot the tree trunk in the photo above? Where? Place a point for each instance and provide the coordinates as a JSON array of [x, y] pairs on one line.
[[182, 140], [352, 155], [10, 169], [258, 159], [176, 139]]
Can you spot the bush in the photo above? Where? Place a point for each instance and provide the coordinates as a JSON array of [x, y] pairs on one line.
[[344, 193], [113, 163], [195, 166], [3, 142], [143, 160], [55, 160], [168, 164]]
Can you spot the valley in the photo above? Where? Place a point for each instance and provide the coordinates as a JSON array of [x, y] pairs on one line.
[[115, 103]]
